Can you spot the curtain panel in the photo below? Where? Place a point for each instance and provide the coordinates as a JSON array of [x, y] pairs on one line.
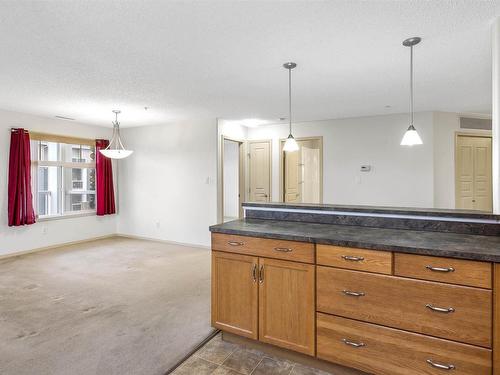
[[20, 198], [104, 181]]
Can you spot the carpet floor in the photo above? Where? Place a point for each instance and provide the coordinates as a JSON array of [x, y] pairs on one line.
[[113, 306]]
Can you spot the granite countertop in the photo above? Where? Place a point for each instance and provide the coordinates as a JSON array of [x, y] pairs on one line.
[[463, 246], [407, 211]]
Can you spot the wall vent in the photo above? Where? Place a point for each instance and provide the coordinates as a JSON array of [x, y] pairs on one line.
[[475, 123]]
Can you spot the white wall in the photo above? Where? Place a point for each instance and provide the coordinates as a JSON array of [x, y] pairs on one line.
[[400, 176], [52, 232], [231, 178], [168, 186]]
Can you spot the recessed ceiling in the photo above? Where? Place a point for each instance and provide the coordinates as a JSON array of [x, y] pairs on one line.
[[207, 59]]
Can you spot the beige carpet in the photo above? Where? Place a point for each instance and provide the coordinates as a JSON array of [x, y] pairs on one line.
[[113, 306]]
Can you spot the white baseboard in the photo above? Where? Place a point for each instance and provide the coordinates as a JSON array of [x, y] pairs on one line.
[[135, 237], [55, 246]]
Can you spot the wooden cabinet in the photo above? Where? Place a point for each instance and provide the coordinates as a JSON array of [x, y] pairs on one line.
[[235, 293], [355, 259], [449, 311], [387, 351], [286, 304], [267, 299]]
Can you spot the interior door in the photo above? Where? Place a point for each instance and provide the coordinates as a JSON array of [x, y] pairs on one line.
[[286, 304], [260, 171], [292, 177], [473, 173], [235, 293]]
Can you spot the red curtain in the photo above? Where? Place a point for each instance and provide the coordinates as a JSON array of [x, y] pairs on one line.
[[104, 180], [20, 199]]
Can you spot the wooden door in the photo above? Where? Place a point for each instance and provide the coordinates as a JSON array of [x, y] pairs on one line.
[[286, 304], [292, 177], [235, 293], [260, 171], [473, 180]]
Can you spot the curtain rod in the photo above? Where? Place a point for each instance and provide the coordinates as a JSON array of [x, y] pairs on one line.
[[16, 129]]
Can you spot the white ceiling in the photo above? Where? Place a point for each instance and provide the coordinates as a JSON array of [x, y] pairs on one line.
[[189, 59]]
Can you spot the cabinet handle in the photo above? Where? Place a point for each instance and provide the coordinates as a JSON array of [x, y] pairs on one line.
[[235, 243], [254, 273], [445, 310], [440, 269], [261, 274], [352, 258], [353, 294], [352, 343], [283, 249], [440, 366]]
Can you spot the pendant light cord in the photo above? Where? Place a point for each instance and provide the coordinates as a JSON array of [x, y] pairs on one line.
[[290, 100], [411, 85]]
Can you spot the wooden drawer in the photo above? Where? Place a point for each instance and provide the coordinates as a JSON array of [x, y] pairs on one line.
[[388, 351], [264, 247], [407, 304], [354, 258], [447, 270]]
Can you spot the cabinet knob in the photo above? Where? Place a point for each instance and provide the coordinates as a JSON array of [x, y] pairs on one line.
[[235, 243], [352, 343], [283, 249], [352, 258], [440, 366], [261, 274], [440, 269], [353, 294], [254, 273], [445, 310]]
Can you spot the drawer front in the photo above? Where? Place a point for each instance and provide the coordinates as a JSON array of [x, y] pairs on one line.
[[388, 351], [355, 259], [448, 311], [264, 247], [447, 270]]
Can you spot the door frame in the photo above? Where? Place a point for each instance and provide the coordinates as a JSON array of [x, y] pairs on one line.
[[241, 174], [476, 133], [282, 166], [270, 141]]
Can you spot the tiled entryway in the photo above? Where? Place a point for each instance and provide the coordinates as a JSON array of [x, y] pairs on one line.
[[219, 357]]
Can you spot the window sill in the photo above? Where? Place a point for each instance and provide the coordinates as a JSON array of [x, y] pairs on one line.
[[67, 216]]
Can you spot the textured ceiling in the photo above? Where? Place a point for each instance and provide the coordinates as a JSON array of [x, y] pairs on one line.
[[81, 59]]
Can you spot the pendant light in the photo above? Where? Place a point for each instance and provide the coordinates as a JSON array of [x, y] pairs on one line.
[[411, 136], [290, 144], [115, 149]]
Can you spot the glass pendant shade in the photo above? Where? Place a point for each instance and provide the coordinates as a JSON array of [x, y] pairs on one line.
[[290, 144], [411, 137], [115, 149]]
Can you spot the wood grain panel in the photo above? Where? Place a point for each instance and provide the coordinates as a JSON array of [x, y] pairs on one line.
[[496, 319], [286, 305], [354, 258], [235, 293], [404, 303], [447, 270], [387, 351], [264, 247]]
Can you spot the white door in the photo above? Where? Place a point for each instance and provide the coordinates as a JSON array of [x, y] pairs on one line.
[[231, 178], [473, 185], [260, 171]]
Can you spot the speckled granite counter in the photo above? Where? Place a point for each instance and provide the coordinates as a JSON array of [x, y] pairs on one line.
[[454, 245]]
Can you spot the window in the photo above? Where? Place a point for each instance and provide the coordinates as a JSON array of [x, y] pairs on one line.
[[63, 178]]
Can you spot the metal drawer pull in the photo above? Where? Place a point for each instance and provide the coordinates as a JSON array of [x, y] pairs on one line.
[[235, 243], [439, 365], [254, 273], [352, 343], [283, 249], [261, 274], [445, 310], [352, 258], [440, 269], [353, 294]]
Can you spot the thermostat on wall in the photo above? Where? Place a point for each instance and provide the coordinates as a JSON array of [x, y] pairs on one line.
[[366, 168]]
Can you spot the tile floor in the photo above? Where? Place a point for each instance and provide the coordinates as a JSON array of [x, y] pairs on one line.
[[219, 357]]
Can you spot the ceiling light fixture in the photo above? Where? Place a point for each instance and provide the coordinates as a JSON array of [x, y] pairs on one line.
[[290, 144], [411, 136], [115, 149]]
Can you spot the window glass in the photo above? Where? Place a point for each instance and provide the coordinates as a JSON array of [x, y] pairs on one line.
[[48, 190], [78, 153], [48, 151], [79, 189]]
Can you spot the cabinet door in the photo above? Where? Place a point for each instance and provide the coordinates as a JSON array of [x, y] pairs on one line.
[[235, 293], [286, 304]]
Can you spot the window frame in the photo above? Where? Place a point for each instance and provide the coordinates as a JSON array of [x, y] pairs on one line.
[[62, 167]]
